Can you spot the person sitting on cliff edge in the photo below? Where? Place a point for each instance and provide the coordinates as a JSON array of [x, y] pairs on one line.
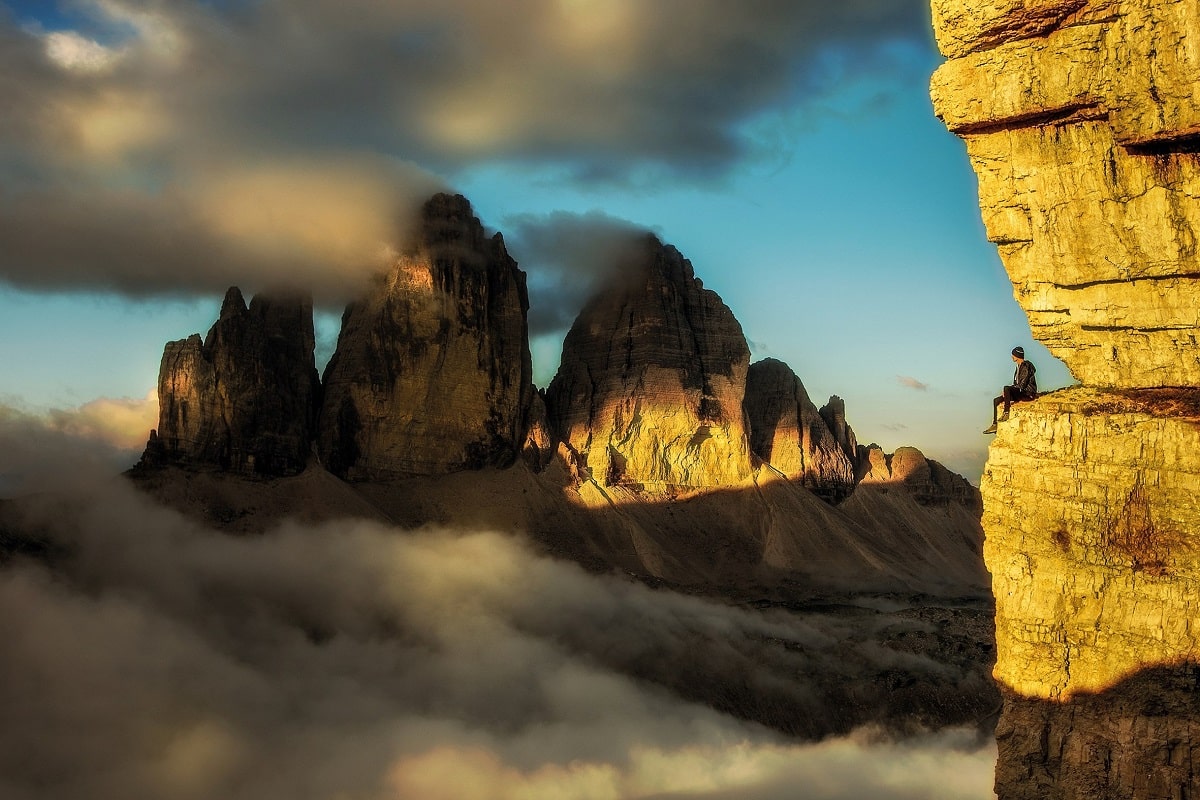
[[1024, 387]]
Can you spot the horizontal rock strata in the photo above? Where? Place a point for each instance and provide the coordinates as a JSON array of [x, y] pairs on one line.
[[1091, 513], [1082, 121]]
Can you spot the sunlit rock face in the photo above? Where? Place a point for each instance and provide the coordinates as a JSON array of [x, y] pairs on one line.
[[789, 433], [649, 391], [538, 448], [432, 372], [1091, 514], [908, 470], [1082, 121], [244, 399], [1092, 509]]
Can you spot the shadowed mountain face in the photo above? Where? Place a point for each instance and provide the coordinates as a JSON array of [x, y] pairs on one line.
[[789, 433], [432, 371], [245, 399], [1135, 741]]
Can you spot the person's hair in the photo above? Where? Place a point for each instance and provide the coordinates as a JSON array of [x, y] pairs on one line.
[[1019, 352]]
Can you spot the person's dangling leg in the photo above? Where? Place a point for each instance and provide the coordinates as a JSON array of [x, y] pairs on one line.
[[1009, 396]]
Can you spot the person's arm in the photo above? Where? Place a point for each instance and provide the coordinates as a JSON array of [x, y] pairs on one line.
[[1024, 377]]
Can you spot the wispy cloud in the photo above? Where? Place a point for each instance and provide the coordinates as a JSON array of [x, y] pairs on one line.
[[910, 382]]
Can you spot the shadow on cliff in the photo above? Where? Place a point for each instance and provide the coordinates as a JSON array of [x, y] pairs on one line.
[[1134, 741], [766, 538]]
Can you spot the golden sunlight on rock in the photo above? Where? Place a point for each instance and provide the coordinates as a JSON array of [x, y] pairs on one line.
[[653, 375], [1081, 120], [1091, 512]]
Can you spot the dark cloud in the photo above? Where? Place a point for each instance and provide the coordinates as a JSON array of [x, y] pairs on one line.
[[189, 145], [157, 658], [567, 256]]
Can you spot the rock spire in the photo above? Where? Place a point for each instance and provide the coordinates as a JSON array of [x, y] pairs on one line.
[[649, 392], [788, 432], [432, 372], [244, 399]]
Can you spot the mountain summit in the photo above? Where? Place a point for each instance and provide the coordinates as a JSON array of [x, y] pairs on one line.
[[432, 371], [658, 449]]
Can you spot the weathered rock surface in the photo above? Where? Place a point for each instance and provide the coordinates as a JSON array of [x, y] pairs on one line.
[[649, 392], [538, 449], [1134, 740], [927, 481], [789, 433], [1082, 121], [432, 371], [1091, 513], [834, 414], [245, 398]]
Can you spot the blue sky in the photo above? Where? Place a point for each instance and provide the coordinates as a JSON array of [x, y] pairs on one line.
[[788, 150]]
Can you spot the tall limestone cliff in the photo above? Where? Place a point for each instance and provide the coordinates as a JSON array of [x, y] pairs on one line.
[[649, 392], [432, 372], [788, 432], [245, 398], [1082, 120]]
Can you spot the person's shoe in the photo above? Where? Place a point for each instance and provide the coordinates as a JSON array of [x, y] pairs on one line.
[[991, 429], [1003, 418]]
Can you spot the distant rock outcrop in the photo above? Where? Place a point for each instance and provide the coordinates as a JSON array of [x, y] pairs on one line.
[[649, 392], [432, 372], [926, 480], [538, 450], [788, 432], [244, 399], [834, 414]]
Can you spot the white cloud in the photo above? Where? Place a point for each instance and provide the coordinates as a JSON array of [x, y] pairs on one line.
[[72, 51]]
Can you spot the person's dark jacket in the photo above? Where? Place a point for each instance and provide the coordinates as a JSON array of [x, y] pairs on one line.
[[1024, 380]]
